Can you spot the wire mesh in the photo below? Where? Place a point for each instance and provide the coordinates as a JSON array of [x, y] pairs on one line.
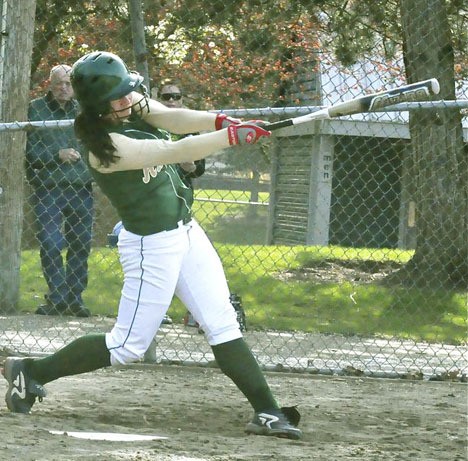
[[345, 239]]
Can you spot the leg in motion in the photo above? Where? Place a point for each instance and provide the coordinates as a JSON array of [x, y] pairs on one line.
[[238, 363], [202, 287], [26, 376]]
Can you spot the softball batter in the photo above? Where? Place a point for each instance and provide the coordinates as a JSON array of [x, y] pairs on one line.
[[163, 251]]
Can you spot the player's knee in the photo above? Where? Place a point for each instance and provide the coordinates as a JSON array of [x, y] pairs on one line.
[[123, 356], [218, 335], [121, 350]]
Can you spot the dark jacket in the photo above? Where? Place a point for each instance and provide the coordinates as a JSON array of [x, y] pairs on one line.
[[188, 176], [43, 165]]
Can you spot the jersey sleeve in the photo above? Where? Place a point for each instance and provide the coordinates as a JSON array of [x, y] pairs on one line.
[[175, 120], [135, 154]]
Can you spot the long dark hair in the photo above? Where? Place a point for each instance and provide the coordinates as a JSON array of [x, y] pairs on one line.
[[92, 129]]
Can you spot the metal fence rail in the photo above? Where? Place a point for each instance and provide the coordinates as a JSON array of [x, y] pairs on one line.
[[254, 112]]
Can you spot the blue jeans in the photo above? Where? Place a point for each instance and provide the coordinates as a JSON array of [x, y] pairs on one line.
[[64, 217]]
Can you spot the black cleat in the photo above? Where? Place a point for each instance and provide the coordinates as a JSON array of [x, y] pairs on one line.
[[22, 389], [277, 423], [78, 310], [62, 308], [51, 309]]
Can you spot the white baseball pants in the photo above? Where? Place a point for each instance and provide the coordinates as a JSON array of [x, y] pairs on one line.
[[182, 262]]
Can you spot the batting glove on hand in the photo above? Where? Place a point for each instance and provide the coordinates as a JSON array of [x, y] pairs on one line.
[[223, 121], [245, 133]]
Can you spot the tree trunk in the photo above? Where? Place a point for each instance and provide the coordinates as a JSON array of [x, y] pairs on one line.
[[438, 162], [15, 65], [140, 50]]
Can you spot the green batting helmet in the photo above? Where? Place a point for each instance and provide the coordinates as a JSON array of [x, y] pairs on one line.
[[100, 77]]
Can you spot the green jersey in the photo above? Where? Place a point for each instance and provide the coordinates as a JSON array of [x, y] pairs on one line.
[[148, 200]]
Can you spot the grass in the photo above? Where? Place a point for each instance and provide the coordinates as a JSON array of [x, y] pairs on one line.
[[232, 222], [274, 296], [297, 305]]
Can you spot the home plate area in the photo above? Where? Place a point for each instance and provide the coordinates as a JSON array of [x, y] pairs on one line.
[[181, 413]]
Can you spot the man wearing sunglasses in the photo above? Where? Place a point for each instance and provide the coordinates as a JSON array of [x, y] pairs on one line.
[[171, 96]]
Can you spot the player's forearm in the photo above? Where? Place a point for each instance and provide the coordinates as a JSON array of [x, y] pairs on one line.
[[135, 154], [183, 121], [177, 121]]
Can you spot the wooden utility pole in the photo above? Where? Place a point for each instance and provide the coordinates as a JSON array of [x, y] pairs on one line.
[[16, 42]]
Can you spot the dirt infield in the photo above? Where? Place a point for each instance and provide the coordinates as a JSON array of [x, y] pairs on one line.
[[203, 415]]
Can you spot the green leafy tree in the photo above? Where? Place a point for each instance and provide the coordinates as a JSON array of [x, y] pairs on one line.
[[234, 55], [250, 52], [432, 36], [230, 54]]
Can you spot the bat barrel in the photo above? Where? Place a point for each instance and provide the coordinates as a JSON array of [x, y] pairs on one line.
[[418, 91]]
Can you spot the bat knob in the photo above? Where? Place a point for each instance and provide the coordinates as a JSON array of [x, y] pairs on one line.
[[435, 87]]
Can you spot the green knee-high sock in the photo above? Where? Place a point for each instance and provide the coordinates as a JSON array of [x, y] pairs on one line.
[[238, 363], [84, 354]]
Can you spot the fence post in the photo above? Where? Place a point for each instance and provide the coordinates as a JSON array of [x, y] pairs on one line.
[[17, 31], [318, 225], [275, 152]]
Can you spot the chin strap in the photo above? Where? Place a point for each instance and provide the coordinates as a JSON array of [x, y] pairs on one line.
[[141, 107]]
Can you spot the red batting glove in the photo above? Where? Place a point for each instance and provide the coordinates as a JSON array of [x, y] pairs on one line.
[[223, 121], [245, 133]]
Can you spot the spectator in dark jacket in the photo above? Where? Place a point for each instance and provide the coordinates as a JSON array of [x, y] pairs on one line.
[[62, 198]]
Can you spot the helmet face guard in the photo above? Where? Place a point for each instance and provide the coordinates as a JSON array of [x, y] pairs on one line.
[[100, 77]]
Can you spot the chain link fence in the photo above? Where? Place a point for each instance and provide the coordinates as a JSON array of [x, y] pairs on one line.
[[344, 239]]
